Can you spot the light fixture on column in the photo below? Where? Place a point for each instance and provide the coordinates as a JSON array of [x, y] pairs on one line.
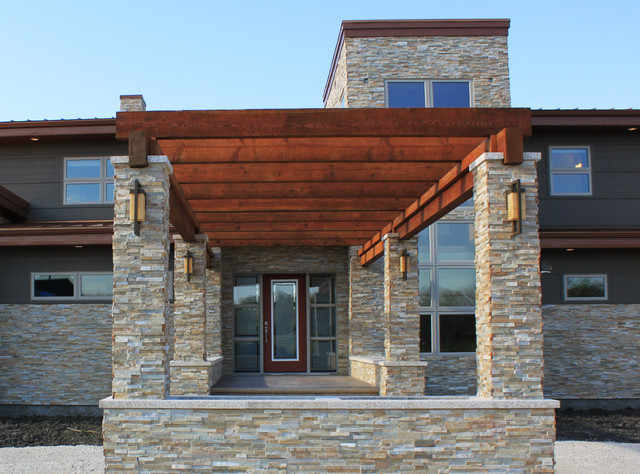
[[137, 206], [516, 207], [188, 264], [404, 263]]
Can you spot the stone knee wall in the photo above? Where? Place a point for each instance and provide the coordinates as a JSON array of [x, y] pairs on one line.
[[591, 351], [450, 375], [305, 260], [329, 436], [57, 354]]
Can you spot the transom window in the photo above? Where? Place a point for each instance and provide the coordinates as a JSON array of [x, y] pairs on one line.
[[570, 171], [88, 180], [585, 287], [428, 93], [447, 288], [71, 286]]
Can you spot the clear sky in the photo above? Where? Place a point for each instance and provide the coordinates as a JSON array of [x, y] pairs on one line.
[[70, 59]]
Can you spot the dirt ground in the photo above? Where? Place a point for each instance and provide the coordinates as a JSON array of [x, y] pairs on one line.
[[621, 426]]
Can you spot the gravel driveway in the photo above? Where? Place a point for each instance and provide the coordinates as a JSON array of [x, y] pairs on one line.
[[579, 457]]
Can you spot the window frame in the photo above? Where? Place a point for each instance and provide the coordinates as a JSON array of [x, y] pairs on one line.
[[570, 171], [77, 287], [102, 181], [428, 89], [565, 287]]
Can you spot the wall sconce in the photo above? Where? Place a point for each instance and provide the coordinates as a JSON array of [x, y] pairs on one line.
[[137, 206], [404, 263], [188, 264], [516, 207]]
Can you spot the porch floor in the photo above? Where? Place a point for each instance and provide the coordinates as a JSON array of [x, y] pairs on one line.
[[260, 384]]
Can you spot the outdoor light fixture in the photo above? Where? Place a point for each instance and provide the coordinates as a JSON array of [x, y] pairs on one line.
[[188, 265], [137, 206], [516, 207], [404, 263]]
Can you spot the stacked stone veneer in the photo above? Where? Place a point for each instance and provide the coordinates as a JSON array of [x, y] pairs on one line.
[[592, 351], [214, 304], [508, 302], [334, 435], [365, 64], [55, 354], [140, 295], [300, 260]]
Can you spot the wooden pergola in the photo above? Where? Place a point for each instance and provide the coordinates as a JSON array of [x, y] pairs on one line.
[[319, 177]]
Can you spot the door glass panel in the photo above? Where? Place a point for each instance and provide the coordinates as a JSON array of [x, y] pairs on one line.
[[247, 322], [323, 322], [323, 355], [247, 356], [284, 314]]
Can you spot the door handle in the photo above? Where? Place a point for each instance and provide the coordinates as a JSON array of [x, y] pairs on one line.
[[266, 332]]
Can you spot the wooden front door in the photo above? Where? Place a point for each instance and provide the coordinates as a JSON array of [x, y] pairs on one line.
[[285, 323]]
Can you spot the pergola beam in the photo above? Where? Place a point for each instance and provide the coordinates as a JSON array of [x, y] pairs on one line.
[[180, 213], [12, 206]]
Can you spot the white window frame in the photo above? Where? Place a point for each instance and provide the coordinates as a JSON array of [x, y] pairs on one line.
[[103, 180], [434, 311], [77, 286], [565, 289], [569, 171], [428, 89]]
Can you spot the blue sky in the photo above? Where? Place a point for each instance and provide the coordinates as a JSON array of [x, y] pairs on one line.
[[70, 59]]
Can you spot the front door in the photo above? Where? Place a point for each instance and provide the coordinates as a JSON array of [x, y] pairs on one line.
[[285, 323]]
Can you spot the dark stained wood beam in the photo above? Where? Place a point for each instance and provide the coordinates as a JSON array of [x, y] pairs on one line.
[[330, 242], [138, 149], [509, 142], [306, 204], [455, 187], [12, 206], [412, 122], [288, 216], [69, 238], [180, 213], [590, 239], [312, 149], [369, 226], [357, 235]]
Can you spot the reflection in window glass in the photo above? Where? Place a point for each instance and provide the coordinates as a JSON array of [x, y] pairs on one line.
[[108, 192], [406, 94], [570, 171], [424, 287], [96, 285], [456, 286], [425, 333], [321, 289], [53, 286], [574, 183], [247, 322], [83, 169], [457, 333], [585, 287], [109, 170], [323, 321], [82, 193], [571, 158], [323, 355], [246, 290], [424, 246], [455, 242], [247, 356], [450, 94]]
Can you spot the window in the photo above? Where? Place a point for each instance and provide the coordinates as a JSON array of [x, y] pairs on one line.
[[428, 93], [570, 171], [447, 288], [585, 287], [246, 323], [322, 334], [71, 286], [88, 180]]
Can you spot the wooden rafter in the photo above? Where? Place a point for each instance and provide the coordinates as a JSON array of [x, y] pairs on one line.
[[180, 213], [12, 206]]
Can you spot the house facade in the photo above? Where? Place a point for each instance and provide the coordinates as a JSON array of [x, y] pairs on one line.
[[369, 246]]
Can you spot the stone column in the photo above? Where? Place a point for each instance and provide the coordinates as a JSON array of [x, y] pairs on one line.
[[191, 372], [402, 372], [140, 284], [508, 304], [214, 302]]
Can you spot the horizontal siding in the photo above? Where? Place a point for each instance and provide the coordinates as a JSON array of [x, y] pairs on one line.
[[19, 263], [620, 266], [615, 176], [34, 171]]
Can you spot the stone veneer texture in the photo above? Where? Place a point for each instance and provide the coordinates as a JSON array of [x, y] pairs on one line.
[[55, 354], [329, 440], [294, 260], [213, 322], [592, 351], [337, 89], [371, 61]]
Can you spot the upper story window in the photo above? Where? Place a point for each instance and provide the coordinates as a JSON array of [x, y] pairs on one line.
[[426, 93], [71, 286], [88, 181], [570, 171]]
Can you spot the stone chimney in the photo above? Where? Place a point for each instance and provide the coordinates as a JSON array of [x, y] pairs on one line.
[[132, 103]]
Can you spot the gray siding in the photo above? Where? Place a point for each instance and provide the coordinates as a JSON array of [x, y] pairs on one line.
[[17, 264], [615, 199], [34, 171], [620, 265]]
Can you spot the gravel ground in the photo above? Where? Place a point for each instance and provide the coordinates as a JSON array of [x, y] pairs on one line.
[[52, 459]]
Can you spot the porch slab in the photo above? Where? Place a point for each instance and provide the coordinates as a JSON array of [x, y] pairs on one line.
[[292, 385]]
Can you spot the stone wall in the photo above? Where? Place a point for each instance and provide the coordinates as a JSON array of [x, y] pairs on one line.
[[591, 351], [338, 88], [371, 61], [55, 354], [448, 375], [329, 435], [256, 260]]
